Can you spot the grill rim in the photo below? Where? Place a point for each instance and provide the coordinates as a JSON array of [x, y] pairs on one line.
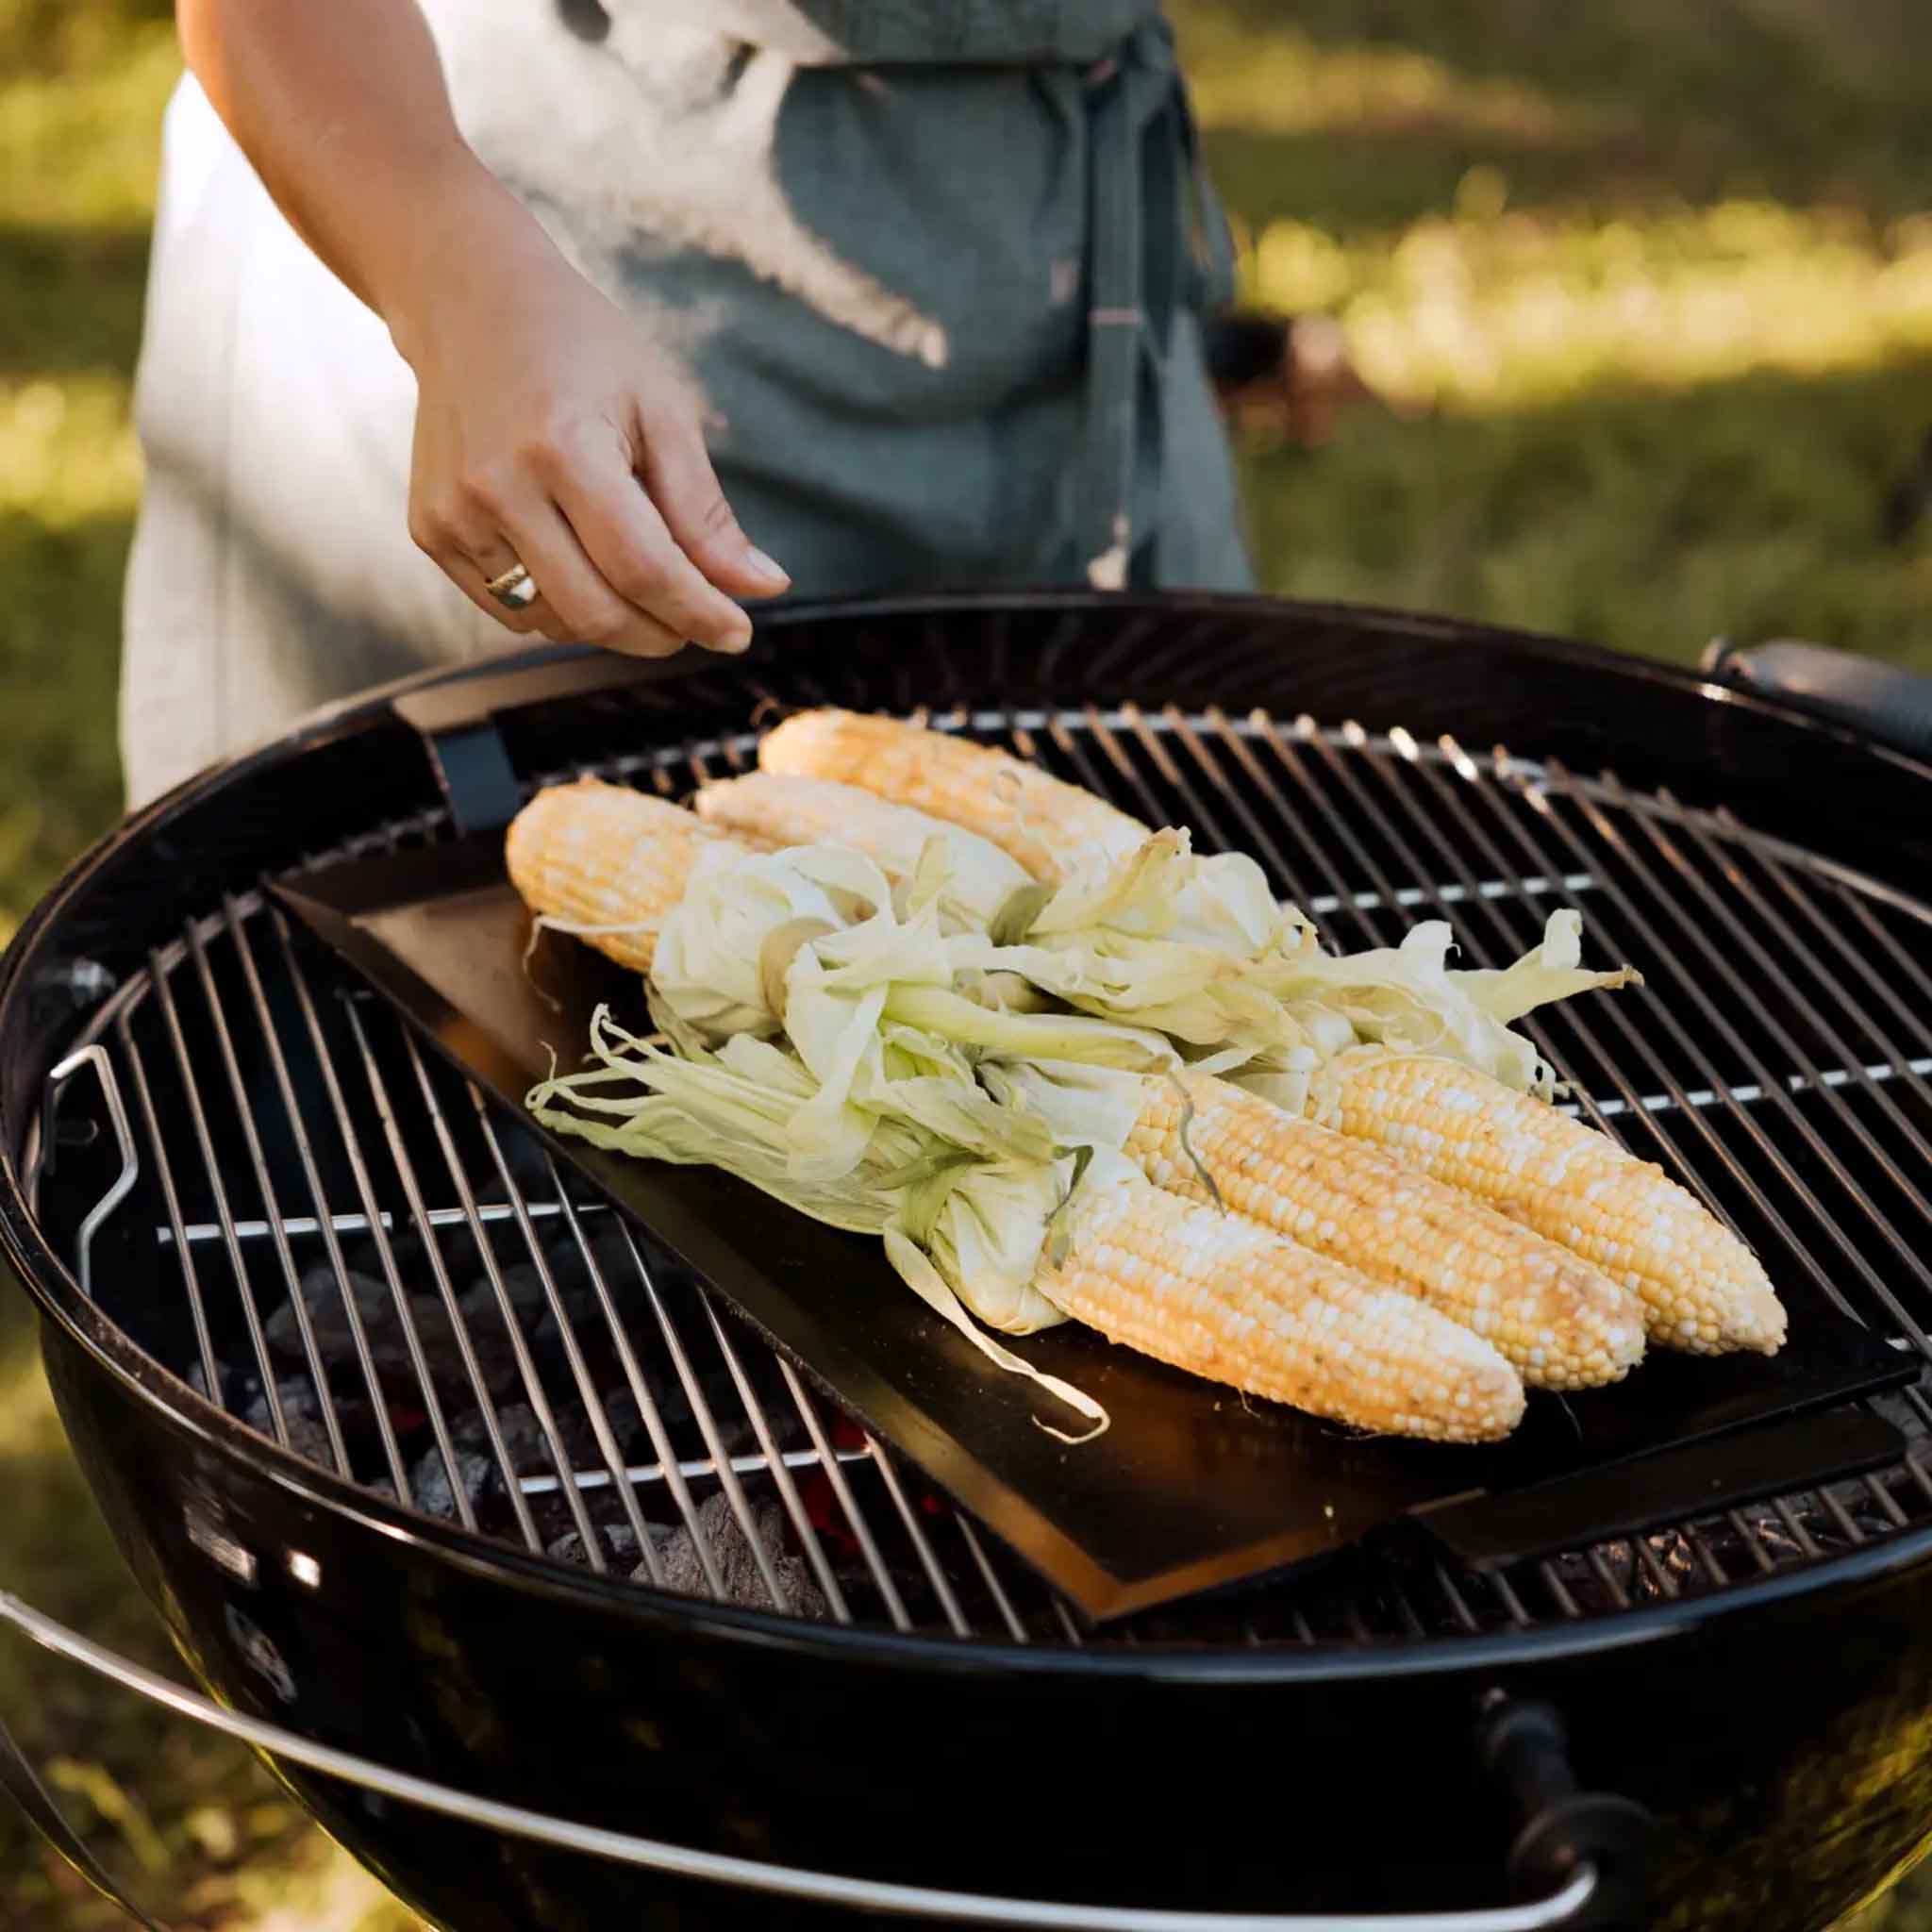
[[56, 1293]]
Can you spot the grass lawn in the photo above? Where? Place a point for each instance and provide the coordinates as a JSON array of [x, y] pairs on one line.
[[1648, 290]]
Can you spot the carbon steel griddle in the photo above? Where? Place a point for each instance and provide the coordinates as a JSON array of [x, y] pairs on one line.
[[1192, 1489]]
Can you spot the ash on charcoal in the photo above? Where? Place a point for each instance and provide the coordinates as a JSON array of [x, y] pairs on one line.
[[482, 1313], [738, 1578], [523, 1286], [430, 1486], [298, 1398], [524, 1441], [322, 1296], [619, 1540], [571, 1279], [626, 1428], [300, 1411]]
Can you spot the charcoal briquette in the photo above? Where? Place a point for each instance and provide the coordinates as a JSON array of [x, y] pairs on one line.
[[430, 1481], [739, 1576], [619, 1545]]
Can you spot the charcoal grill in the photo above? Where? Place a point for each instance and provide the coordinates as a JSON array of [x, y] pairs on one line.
[[563, 1601]]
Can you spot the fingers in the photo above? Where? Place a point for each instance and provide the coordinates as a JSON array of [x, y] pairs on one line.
[[686, 491], [585, 607], [497, 526], [470, 555], [611, 568], [625, 538]]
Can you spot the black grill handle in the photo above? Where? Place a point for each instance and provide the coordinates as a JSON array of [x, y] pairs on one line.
[[1883, 700], [1565, 1830], [457, 718]]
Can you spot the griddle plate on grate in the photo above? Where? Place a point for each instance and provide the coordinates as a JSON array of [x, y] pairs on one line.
[[1192, 1489]]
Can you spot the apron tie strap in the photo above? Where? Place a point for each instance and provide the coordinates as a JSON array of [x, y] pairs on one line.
[[1156, 239]]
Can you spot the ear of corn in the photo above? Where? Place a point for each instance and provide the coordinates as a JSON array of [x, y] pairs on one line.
[[784, 810], [1048, 825], [594, 856], [1561, 1323], [1227, 1299], [1702, 1289]]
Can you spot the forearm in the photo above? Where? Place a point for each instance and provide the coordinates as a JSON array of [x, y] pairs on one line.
[[342, 110]]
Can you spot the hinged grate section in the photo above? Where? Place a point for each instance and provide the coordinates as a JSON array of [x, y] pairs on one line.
[[369, 1265]]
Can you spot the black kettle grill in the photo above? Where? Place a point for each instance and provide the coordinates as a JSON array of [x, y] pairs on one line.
[[563, 1602]]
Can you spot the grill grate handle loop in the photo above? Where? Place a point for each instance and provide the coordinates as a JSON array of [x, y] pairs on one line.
[[94, 1059], [1564, 1905]]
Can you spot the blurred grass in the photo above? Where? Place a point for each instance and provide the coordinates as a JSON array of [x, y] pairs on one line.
[[1652, 286]]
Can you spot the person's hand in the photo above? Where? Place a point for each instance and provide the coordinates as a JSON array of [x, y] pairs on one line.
[[549, 432]]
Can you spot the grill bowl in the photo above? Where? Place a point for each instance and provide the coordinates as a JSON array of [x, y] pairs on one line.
[[1305, 1748]]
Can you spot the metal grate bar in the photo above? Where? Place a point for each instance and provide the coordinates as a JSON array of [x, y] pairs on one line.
[[520, 1347], [714, 1442], [1357, 740], [1458, 1604], [642, 1474], [1016, 1629], [1708, 1008], [780, 1466], [376, 1224], [1707, 1556], [1567, 1606], [1403, 746], [171, 1201], [1895, 1063], [1512, 1604], [298, 1226], [586, 1389], [670, 1469], [855, 1517], [1708, 902], [1869, 1075], [1626, 1100], [190, 1088], [1287, 757], [432, 1248], [1518, 827], [921, 1544], [298, 1301], [1901, 960], [1261, 842], [251, 1136]]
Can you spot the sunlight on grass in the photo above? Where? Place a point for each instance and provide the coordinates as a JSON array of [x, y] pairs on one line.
[[67, 449], [1491, 309], [1289, 83], [28, 1426], [77, 150]]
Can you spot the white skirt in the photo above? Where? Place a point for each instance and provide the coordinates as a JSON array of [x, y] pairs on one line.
[[264, 381]]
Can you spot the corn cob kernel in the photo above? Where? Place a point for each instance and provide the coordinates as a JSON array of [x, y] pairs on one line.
[[1560, 1322], [785, 811], [1702, 1289], [597, 855], [1227, 1299], [1048, 825]]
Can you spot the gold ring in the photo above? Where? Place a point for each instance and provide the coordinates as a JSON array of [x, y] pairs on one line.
[[515, 590]]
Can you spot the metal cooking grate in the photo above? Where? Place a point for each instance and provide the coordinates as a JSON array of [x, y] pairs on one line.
[[382, 1274]]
